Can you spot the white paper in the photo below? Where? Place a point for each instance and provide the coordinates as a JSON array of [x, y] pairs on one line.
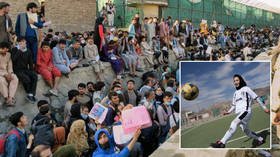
[[48, 23], [119, 136], [209, 50], [33, 17]]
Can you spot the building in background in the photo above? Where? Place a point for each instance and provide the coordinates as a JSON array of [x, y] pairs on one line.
[[228, 12], [66, 15]]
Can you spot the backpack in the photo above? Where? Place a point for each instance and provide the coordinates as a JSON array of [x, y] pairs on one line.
[[43, 132], [3, 139]]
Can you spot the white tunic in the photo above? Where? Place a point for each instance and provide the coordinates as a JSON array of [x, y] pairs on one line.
[[242, 99]]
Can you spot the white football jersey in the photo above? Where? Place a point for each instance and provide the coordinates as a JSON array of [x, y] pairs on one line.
[[243, 98]]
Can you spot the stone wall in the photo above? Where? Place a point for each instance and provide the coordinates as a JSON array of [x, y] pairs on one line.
[[69, 15]]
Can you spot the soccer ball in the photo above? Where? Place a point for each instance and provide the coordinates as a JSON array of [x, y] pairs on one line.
[[189, 91]]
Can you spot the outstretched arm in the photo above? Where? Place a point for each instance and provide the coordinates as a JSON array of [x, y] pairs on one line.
[[262, 105], [230, 110], [255, 96]]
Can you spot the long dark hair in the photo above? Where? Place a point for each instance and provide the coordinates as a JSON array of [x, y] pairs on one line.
[[242, 81], [99, 21]]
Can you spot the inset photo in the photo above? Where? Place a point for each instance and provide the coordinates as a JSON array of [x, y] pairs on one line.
[[225, 105]]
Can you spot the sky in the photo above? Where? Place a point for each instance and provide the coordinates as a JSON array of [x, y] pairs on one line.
[[215, 83]]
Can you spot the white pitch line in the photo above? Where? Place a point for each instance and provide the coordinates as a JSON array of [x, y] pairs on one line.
[[246, 136]]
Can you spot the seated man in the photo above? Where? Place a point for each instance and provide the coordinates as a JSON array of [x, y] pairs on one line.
[[75, 53], [8, 80], [176, 47], [130, 56], [60, 58], [46, 68], [24, 69], [92, 57], [147, 52], [156, 48]]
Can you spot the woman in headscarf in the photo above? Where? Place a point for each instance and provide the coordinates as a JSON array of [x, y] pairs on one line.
[[241, 103], [78, 136], [59, 138], [99, 36]]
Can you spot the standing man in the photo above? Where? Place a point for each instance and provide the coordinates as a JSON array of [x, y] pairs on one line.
[[131, 95], [110, 13], [27, 26], [17, 142], [5, 22]]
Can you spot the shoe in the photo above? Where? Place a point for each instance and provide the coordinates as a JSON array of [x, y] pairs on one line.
[[30, 99], [34, 98], [218, 144], [54, 92], [259, 143], [140, 70]]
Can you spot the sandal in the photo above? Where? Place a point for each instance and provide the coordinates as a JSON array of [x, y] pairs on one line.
[[7, 104], [13, 101]]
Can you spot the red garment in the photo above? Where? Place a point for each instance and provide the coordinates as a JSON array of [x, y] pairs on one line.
[[101, 34], [44, 61]]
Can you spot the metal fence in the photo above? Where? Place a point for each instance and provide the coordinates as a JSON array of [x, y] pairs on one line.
[[225, 11]]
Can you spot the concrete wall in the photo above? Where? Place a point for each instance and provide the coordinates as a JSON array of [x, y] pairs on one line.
[[69, 15], [150, 10]]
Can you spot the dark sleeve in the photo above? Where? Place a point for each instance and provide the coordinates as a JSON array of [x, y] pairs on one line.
[[125, 95], [28, 152], [200, 41], [39, 24], [17, 28], [10, 24], [69, 53], [109, 119], [138, 97], [30, 60], [14, 54]]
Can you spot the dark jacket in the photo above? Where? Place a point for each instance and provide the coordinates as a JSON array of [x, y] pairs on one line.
[[21, 60], [109, 119], [126, 97], [23, 28]]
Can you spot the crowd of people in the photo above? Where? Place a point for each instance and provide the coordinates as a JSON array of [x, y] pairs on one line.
[[144, 49], [26, 52]]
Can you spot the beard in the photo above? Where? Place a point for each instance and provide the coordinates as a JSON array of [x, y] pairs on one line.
[[105, 146]]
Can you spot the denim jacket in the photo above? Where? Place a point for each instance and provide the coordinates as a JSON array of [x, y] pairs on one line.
[[15, 147]]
